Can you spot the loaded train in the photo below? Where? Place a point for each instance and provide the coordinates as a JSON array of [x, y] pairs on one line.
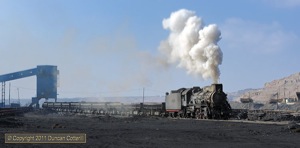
[[106, 108], [209, 102]]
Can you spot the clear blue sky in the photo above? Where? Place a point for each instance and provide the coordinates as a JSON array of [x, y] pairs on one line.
[[106, 48]]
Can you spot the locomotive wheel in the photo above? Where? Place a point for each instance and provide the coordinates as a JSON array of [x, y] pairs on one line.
[[205, 113], [198, 114], [176, 115], [216, 114], [183, 114], [172, 115]]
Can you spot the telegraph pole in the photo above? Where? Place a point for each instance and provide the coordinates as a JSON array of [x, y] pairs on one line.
[[249, 100], [9, 95], [277, 102], [143, 99], [143, 94], [18, 96], [284, 91]]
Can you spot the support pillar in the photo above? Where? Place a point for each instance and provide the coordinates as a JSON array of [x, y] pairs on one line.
[[35, 101]]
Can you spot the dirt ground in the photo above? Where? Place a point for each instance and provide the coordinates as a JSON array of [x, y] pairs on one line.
[[107, 131]]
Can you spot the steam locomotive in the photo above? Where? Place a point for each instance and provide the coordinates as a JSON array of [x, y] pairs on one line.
[[209, 102]]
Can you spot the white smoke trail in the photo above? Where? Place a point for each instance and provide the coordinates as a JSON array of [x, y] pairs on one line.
[[192, 44]]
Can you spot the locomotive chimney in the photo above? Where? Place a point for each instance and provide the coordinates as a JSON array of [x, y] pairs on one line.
[[217, 87]]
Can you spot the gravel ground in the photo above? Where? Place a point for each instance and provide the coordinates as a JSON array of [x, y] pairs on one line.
[[107, 131]]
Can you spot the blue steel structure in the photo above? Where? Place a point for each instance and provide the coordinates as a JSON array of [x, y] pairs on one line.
[[46, 82]]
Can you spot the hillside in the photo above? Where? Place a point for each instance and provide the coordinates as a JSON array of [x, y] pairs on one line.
[[276, 89], [233, 96]]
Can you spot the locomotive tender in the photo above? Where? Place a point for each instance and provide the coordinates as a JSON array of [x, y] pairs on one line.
[[209, 102]]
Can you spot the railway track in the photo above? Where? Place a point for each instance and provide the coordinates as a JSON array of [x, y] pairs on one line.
[[237, 114]]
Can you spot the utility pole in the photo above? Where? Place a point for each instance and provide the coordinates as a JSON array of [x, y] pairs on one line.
[[9, 95], [143, 95], [296, 99], [143, 99], [284, 91], [249, 100], [278, 96], [18, 97], [277, 101]]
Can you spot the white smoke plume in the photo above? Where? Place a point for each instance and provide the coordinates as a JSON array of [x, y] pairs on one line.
[[192, 45]]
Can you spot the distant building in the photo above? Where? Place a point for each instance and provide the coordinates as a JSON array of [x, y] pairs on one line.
[[288, 101]]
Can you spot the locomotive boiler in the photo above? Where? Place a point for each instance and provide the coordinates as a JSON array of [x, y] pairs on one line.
[[209, 102]]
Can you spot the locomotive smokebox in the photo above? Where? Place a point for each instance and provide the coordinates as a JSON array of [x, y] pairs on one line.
[[217, 87]]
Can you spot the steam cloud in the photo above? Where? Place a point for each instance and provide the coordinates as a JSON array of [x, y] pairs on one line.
[[192, 45]]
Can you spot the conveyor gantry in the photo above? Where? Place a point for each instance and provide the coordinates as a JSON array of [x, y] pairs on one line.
[[46, 82]]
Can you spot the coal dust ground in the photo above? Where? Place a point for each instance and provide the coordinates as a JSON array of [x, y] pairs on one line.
[[108, 131]]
